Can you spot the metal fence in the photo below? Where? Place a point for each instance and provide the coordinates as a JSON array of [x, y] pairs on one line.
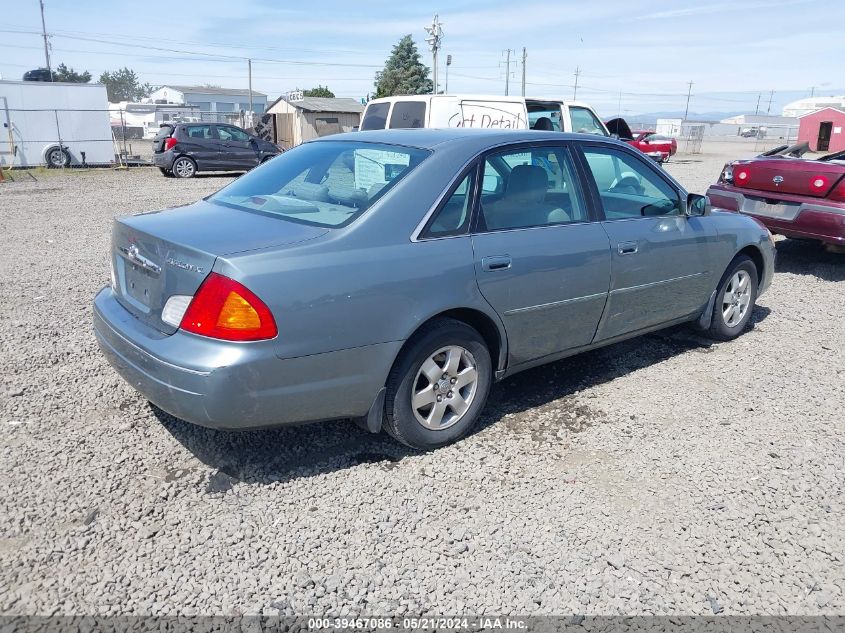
[[58, 137]]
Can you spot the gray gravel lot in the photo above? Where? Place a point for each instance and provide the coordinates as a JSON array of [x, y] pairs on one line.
[[661, 475]]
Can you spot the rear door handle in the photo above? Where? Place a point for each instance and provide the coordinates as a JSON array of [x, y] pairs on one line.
[[628, 248], [496, 262]]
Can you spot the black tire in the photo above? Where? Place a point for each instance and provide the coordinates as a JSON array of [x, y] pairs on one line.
[[184, 167], [166, 172], [57, 157], [720, 328], [400, 420]]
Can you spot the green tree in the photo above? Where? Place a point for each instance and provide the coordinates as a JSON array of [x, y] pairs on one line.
[[63, 73], [123, 85], [319, 91], [404, 73]]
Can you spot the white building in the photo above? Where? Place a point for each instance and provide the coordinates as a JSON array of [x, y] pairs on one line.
[[212, 101], [142, 120], [811, 104]]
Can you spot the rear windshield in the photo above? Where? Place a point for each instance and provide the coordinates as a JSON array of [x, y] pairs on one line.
[[324, 184], [164, 131], [375, 117]]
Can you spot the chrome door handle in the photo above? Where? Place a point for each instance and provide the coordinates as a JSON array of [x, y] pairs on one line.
[[496, 262], [628, 248]]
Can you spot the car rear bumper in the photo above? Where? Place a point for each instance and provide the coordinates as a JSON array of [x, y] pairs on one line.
[[226, 385], [792, 216], [164, 159]]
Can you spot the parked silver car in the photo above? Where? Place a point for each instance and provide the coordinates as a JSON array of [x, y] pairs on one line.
[[392, 276]]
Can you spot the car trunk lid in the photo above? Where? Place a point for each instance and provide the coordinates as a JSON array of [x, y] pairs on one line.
[[165, 253], [161, 136], [787, 175]]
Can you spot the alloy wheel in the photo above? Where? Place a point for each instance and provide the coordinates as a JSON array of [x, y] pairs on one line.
[[183, 168], [444, 388], [736, 298]]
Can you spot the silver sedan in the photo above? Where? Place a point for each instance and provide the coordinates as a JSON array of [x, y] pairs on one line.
[[392, 276]]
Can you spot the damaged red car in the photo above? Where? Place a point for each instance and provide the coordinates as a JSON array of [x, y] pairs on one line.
[[649, 142], [792, 196]]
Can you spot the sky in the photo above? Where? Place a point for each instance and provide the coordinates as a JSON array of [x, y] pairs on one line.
[[633, 56]]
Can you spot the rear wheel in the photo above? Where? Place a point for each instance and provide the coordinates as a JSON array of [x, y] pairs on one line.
[[184, 167], [439, 385], [735, 299]]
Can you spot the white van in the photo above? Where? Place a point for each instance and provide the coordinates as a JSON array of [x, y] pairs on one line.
[[481, 111]]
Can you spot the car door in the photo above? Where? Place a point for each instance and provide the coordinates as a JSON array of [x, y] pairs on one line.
[[661, 259], [200, 143], [540, 259], [236, 148]]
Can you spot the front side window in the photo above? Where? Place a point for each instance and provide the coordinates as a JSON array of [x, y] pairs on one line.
[[232, 134], [323, 183], [408, 114], [375, 116], [529, 187], [585, 122], [628, 187]]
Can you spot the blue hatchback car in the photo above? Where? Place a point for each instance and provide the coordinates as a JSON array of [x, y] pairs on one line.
[[392, 276]]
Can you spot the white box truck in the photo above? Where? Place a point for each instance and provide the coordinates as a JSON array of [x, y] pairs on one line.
[[54, 124], [481, 111]]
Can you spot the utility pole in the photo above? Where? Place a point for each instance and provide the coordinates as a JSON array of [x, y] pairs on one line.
[[46, 43], [435, 35], [689, 94], [757, 109], [812, 91], [771, 96], [524, 57], [619, 107], [249, 67], [575, 91], [507, 53], [448, 63]]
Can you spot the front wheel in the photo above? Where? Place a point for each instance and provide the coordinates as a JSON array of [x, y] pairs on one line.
[[735, 299], [184, 167], [438, 386]]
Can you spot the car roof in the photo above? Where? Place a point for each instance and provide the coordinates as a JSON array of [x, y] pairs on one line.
[[428, 138]]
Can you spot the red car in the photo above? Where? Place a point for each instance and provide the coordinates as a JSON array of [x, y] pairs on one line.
[[650, 143], [795, 197], [659, 147]]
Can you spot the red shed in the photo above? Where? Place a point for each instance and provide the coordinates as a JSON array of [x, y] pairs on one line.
[[823, 129]]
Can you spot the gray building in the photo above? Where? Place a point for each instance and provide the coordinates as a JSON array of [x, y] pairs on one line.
[[226, 101]]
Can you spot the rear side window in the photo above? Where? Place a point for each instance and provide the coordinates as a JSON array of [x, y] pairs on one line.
[[585, 122], [453, 217], [198, 131], [375, 118], [408, 114]]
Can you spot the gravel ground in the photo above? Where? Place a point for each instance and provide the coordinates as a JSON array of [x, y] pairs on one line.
[[662, 475]]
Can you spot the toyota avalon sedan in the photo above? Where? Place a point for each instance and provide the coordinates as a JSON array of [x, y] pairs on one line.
[[392, 276]]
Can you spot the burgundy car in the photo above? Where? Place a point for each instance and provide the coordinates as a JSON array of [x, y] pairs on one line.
[[795, 197], [650, 143]]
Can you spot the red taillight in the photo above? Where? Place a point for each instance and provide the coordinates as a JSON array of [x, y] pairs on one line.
[[170, 143], [838, 194], [741, 176], [226, 309], [819, 184]]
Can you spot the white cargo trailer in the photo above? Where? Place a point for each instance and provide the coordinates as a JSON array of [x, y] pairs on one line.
[[54, 124]]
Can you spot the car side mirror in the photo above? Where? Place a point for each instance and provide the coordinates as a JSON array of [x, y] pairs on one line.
[[698, 205]]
